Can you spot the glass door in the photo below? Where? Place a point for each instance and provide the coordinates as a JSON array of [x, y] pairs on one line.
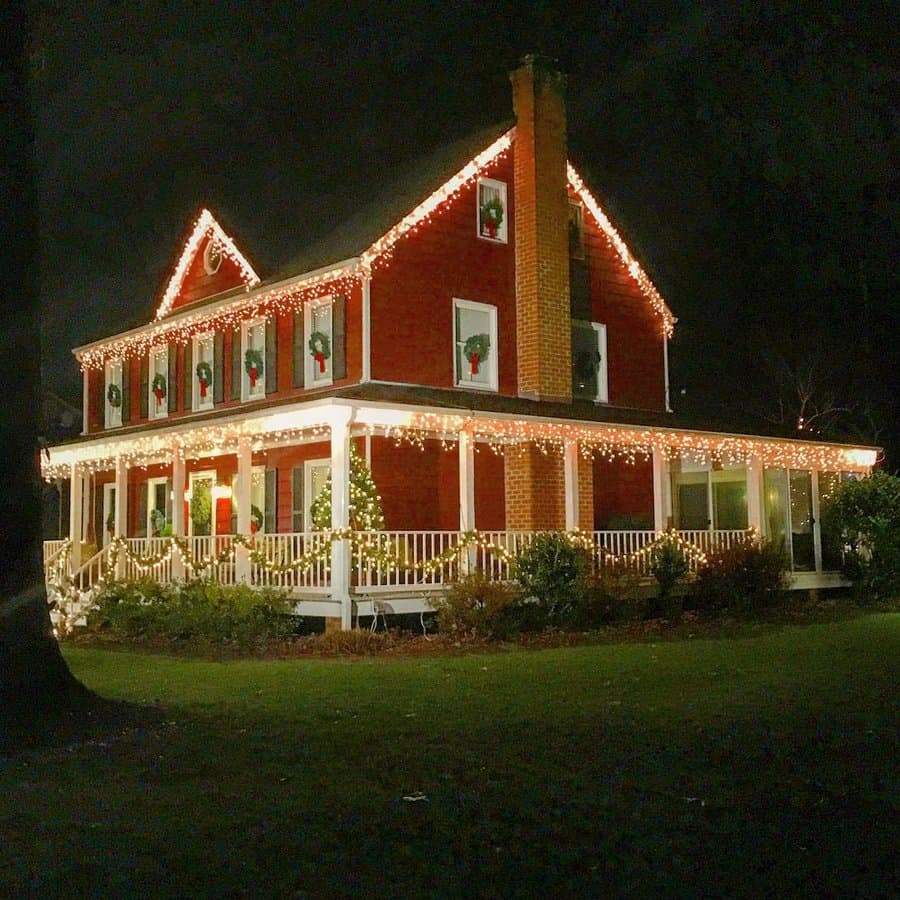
[[202, 519], [801, 518]]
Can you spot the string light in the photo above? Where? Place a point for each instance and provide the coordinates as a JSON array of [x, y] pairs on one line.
[[205, 226], [615, 239]]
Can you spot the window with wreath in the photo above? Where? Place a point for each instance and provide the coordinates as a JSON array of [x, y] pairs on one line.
[[203, 360], [475, 342], [319, 331], [113, 393], [253, 354], [492, 210], [159, 387], [589, 370]]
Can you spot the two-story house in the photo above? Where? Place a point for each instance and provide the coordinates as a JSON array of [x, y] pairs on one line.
[[484, 338]]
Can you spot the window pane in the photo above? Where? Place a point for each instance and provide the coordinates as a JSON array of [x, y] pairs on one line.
[[585, 361], [473, 366], [320, 320], [832, 557], [801, 520]]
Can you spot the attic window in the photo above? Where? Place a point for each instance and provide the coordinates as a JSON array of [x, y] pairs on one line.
[[576, 231], [492, 210], [212, 257]]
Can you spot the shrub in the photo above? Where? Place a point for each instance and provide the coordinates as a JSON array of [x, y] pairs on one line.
[[475, 605], [668, 565], [553, 574], [355, 642], [199, 611], [863, 516], [749, 576]]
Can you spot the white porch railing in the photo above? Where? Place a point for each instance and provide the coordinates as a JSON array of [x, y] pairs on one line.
[[381, 561]]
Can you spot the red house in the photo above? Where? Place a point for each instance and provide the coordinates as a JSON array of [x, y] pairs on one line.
[[482, 336]]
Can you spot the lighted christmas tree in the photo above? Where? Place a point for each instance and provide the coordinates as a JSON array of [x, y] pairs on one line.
[[365, 504]]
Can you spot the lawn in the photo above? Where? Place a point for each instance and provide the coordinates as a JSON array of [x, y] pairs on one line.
[[743, 767]]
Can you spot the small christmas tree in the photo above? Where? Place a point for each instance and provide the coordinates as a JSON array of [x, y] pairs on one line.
[[365, 504]]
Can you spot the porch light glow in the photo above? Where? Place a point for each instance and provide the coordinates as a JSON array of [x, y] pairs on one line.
[[221, 492]]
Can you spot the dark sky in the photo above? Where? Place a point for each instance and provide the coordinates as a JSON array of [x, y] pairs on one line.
[[749, 155]]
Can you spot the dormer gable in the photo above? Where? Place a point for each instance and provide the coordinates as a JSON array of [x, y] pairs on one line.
[[210, 264]]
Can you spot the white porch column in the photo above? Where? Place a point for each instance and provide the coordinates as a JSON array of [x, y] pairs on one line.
[[340, 511], [662, 496], [466, 447], [120, 512], [570, 480], [177, 510], [76, 520], [754, 494], [245, 481]]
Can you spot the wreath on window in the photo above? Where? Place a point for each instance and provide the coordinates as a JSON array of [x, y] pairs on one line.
[[159, 388], [253, 363], [586, 364], [476, 350], [114, 396], [491, 217], [204, 376], [256, 519], [319, 349]]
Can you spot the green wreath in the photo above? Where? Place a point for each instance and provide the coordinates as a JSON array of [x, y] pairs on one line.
[[320, 349], [491, 217], [476, 350], [256, 517], [159, 386], [253, 364], [204, 371], [114, 396]]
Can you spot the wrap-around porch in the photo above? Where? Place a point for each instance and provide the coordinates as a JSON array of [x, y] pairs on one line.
[[483, 483]]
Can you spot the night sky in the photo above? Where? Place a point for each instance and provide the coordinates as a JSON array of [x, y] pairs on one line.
[[749, 157]]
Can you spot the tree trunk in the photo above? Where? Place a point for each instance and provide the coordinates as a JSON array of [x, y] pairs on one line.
[[33, 675]]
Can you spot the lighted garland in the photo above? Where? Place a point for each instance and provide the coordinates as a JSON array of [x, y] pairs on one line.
[[319, 349], [114, 396]]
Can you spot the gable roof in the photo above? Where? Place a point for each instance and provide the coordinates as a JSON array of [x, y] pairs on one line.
[[206, 226]]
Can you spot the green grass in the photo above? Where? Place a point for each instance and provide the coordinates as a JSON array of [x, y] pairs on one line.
[[739, 767]]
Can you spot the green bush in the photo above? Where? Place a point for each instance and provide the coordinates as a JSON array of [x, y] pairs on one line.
[[475, 605], [199, 611], [613, 596], [863, 516], [668, 565], [553, 574], [749, 576]]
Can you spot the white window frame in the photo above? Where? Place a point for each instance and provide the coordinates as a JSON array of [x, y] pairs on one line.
[[113, 375], [257, 481], [493, 358], [151, 493], [209, 266], [162, 410], [603, 368], [246, 326], [197, 404], [109, 509], [308, 466], [503, 232], [205, 475], [310, 379]]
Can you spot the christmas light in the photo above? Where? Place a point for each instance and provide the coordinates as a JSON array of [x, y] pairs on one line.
[[205, 226], [615, 239]]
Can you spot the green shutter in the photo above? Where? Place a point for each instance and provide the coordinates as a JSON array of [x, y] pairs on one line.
[[145, 387], [297, 517], [236, 364], [299, 347], [338, 338], [271, 512], [172, 358], [188, 375], [219, 368], [272, 355]]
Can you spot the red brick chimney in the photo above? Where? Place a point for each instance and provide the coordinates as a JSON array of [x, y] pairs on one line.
[[543, 319]]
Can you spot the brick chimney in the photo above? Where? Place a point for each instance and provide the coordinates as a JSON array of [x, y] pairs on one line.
[[543, 318]]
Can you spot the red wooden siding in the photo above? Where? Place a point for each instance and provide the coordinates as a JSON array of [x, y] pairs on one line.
[[490, 500], [622, 490], [198, 283], [412, 294], [633, 328]]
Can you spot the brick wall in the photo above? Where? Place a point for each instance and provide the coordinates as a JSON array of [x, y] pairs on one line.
[[585, 494], [534, 488], [542, 246]]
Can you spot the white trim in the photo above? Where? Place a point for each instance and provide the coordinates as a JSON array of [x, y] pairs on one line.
[[366, 329], [151, 483], [503, 232], [310, 381], [492, 361], [260, 394]]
